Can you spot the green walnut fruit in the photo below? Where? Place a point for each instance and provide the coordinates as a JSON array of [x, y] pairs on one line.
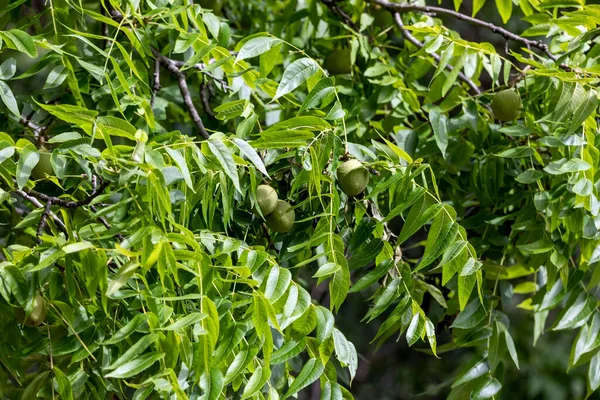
[[43, 167], [37, 315], [352, 177], [506, 105], [266, 198], [382, 17], [339, 62], [282, 218]]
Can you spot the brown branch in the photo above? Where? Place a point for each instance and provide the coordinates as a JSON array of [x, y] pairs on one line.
[[406, 7], [201, 66], [437, 58], [171, 66], [204, 95], [102, 220], [42, 224], [331, 4], [37, 129], [68, 203], [61, 226], [156, 86]]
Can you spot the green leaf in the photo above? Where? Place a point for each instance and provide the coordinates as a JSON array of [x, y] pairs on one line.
[[372, 276], [537, 247], [34, 387], [9, 99], [325, 322], [504, 9], [577, 313], [64, 386], [77, 247], [239, 363], [474, 372], [295, 75], [225, 158], [440, 131], [472, 315], [441, 235], [256, 46], [179, 159], [322, 91], [251, 154], [451, 77], [282, 139], [189, 319], [444, 60], [211, 384], [583, 111], [128, 329], [594, 372], [27, 162], [56, 77], [277, 283], [477, 5], [256, 382], [311, 371], [21, 41], [423, 211], [563, 166], [136, 366], [134, 351], [415, 329], [121, 277], [327, 269], [528, 176], [8, 69], [488, 390], [289, 350], [517, 152], [331, 391]]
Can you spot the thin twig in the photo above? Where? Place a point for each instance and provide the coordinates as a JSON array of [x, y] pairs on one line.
[[42, 224], [102, 220], [437, 58], [68, 203], [170, 66], [201, 67], [406, 7], [204, 95], [156, 86], [36, 202], [37, 129], [331, 4]]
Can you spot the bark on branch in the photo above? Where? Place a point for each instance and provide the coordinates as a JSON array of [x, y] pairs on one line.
[[508, 35], [172, 67]]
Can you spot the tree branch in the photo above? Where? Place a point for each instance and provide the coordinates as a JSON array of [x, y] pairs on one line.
[[68, 203], [406, 7], [419, 44], [206, 100], [331, 4], [172, 67], [42, 224], [37, 129], [201, 66], [95, 210], [37, 203], [156, 86]]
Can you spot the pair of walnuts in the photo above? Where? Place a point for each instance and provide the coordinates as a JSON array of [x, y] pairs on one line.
[[352, 177]]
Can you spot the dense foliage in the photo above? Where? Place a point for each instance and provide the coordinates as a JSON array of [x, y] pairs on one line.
[[192, 191]]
